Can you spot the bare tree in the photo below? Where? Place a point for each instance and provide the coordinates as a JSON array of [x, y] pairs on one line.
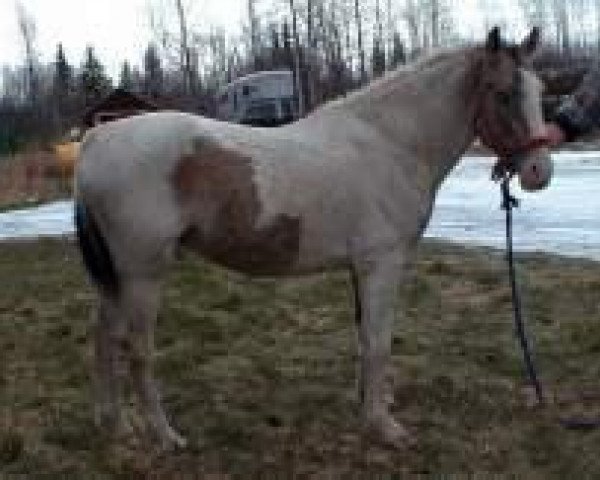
[[185, 53], [389, 29], [561, 18], [27, 29], [312, 46], [298, 90], [378, 57], [596, 7], [253, 23], [579, 11], [535, 12], [153, 72], [412, 15], [359, 37], [435, 17]]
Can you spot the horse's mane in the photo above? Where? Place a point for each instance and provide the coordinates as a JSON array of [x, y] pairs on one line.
[[436, 57], [439, 59]]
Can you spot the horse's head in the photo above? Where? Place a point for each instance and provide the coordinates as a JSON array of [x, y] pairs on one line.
[[509, 118]]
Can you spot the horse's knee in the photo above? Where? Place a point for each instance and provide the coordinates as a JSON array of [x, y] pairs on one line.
[[139, 348]]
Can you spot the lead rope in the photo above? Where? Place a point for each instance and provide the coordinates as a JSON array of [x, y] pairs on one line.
[[509, 202]]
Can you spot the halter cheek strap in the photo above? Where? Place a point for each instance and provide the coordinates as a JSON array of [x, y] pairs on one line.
[[496, 140], [539, 141]]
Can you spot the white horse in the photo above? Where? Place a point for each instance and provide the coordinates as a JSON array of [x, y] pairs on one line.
[[350, 186]]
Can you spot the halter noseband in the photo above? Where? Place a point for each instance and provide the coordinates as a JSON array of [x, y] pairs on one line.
[[507, 151], [506, 164]]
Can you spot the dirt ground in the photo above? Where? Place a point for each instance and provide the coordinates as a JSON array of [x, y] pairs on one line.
[[260, 375]]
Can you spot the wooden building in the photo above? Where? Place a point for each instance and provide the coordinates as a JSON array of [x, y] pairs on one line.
[[119, 103]]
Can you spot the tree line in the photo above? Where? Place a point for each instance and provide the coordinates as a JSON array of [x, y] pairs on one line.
[[332, 46]]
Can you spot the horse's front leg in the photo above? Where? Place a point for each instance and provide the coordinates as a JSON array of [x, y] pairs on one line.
[[376, 283]]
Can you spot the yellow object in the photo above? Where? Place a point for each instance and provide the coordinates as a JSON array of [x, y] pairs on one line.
[[66, 155]]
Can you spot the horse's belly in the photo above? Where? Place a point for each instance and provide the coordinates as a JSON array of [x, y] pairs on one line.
[[269, 250]]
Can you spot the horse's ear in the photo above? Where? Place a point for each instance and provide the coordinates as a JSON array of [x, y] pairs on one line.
[[531, 43], [494, 40]]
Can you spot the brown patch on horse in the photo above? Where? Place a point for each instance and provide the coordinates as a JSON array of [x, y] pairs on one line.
[[216, 188]]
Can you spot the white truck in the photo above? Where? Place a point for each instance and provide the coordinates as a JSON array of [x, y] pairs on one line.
[[260, 99]]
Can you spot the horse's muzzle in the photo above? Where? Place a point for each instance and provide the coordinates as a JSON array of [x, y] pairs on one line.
[[535, 170]]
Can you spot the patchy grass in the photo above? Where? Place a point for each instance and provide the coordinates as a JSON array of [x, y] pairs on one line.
[[261, 375]]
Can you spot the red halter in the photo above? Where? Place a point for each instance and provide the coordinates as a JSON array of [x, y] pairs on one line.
[[533, 143], [506, 165], [497, 138]]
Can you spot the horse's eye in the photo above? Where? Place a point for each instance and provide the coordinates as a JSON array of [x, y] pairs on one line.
[[503, 98]]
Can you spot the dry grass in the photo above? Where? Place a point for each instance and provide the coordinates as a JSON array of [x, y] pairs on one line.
[[261, 375], [31, 178]]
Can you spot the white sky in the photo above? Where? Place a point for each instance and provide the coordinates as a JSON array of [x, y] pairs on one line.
[[119, 29]]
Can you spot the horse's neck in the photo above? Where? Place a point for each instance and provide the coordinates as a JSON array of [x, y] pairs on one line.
[[428, 111]]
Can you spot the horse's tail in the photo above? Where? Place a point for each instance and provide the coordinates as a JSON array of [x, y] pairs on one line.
[[95, 252]]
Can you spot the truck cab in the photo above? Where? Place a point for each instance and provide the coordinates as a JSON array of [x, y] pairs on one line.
[[259, 99]]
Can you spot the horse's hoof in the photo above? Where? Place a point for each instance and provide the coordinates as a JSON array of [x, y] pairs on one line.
[[113, 427], [171, 440], [388, 431]]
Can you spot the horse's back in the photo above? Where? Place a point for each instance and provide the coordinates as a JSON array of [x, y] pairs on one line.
[[153, 138], [152, 150]]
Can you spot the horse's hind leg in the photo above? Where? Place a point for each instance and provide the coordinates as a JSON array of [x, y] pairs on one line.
[[109, 330], [140, 301]]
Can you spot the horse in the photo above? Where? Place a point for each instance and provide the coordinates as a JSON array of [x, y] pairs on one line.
[[350, 186]]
